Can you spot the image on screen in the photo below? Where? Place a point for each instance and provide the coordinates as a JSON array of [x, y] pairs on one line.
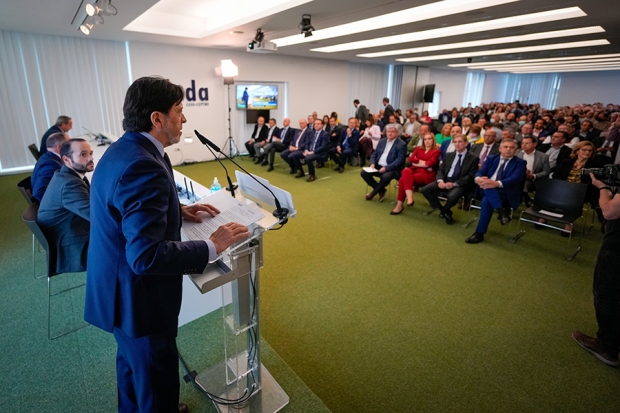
[[257, 97]]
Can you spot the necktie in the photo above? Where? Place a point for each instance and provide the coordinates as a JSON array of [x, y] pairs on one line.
[[85, 179], [316, 138], [457, 168], [485, 152], [500, 170], [167, 159]]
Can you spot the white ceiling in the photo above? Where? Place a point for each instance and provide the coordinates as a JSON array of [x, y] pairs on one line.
[[54, 17]]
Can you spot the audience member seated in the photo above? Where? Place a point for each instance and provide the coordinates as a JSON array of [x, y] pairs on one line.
[[369, 140], [47, 164], [537, 166], [539, 130], [395, 124], [346, 147], [587, 131], [64, 214], [556, 150], [420, 169], [63, 124], [511, 123], [298, 142], [444, 117], [444, 134], [327, 125], [526, 130], [389, 160], [465, 125], [259, 147], [447, 146], [474, 135], [280, 140], [455, 177], [424, 118], [259, 135], [315, 149], [416, 141], [487, 148], [335, 133], [455, 119], [411, 128], [501, 181]]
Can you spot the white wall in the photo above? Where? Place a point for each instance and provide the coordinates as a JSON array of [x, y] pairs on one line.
[[414, 79], [451, 84], [589, 87], [313, 85]]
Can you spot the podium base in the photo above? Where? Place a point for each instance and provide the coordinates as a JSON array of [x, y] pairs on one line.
[[269, 398]]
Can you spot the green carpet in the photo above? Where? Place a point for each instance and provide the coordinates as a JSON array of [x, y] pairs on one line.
[[374, 313]]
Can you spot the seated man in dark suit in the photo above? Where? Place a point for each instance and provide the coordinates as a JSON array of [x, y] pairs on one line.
[[47, 164], [64, 214], [63, 124], [259, 147], [298, 142], [490, 146], [587, 131], [315, 149], [389, 158], [455, 176], [501, 181], [280, 140], [537, 166], [346, 147], [259, 135], [335, 133], [556, 150]]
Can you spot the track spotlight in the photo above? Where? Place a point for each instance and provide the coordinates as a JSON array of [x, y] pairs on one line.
[[89, 23], [257, 39], [101, 7], [306, 26]]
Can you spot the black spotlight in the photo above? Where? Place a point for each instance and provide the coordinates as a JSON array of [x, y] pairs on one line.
[[259, 36], [306, 26]]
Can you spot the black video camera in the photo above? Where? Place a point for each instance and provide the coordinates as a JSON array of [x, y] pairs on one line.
[[609, 174]]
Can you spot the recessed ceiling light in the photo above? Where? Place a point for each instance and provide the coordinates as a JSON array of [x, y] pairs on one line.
[[550, 59], [586, 43], [484, 26], [414, 14], [487, 42]]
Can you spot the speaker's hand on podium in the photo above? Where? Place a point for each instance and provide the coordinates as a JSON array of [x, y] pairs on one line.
[[228, 234], [190, 212]]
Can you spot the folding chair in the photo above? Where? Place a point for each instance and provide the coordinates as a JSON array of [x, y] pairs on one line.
[[30, 218], [556, 201]]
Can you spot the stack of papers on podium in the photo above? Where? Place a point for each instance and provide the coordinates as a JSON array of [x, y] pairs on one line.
[[231, 210]]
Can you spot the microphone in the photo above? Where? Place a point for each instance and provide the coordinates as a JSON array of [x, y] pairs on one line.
[[209, 144], [280, 213]]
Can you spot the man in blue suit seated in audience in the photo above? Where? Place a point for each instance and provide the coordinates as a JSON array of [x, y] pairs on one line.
[[501, 180], [64, 213], [347, 146], [134, 282], [47, 164], [389, 158], [63, 124], [297, 144], [315, 149]]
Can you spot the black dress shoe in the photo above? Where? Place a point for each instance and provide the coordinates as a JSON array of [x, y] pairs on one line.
[[320, 165], [264, 163], [311, 178], [397, 213], [340, 170], [505, 219], [410, 204], [300, 174], [183, 408], [270, 168], [382, 195], [448, 217], [475, 238]]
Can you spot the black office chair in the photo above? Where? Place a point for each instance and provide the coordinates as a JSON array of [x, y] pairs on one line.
[[30, 218], [25, 188], [34, 150], [556, 201]]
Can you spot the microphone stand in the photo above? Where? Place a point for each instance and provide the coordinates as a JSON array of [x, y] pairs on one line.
[[230, 186], [280, 213]]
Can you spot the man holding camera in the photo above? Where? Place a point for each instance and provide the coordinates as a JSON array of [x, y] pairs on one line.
[[606, 286]]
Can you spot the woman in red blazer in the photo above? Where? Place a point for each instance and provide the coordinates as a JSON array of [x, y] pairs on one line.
[[421, 169]]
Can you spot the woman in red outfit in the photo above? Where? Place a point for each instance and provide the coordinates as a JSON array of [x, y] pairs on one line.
[[421, 169]]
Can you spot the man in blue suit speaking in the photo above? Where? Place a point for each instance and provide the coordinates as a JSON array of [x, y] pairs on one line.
[[501, 180], [136, 259]]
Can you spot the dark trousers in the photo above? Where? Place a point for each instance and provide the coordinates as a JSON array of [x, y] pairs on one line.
[[147, 374], [250, 147], [453, 195], [606, 289], [297, 156], [340, 158], [384, 179], [494, 198], [286, 156], [272, 148]]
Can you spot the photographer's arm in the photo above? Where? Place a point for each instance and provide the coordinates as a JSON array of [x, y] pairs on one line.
[[609, 203]]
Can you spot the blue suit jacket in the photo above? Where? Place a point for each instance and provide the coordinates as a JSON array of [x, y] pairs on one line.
[[43, 147], [288, 136], [512, 179], [352, 141], [321, 141], [64, 216], [137, 259], [43, 171], [301, 142], [396, 157]]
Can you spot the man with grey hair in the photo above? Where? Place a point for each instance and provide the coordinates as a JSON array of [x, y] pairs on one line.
[[411, 128], [386, 163], [47, 164], [63, 124]]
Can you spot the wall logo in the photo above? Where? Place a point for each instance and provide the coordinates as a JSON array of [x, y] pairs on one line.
[[190, 95]]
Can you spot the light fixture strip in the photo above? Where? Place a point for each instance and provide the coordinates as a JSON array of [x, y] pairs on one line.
[[550, 59], [414, 14], [571, 45], [484, 26], [567, 70], [487, 42], [547, 66]]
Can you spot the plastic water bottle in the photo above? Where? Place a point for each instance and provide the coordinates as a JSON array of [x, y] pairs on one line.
[[215, 186]]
